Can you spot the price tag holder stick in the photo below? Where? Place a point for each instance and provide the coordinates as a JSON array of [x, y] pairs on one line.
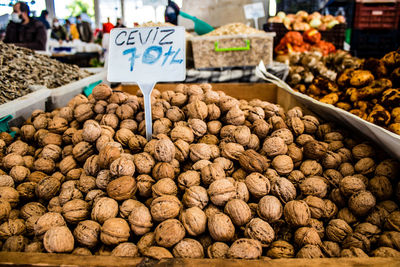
[[146, 89], [146, 56]]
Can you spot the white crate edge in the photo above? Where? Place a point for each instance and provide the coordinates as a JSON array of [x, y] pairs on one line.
[[24, 105], [60, 96]]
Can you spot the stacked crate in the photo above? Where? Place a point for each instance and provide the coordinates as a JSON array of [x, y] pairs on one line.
[[375, 27]]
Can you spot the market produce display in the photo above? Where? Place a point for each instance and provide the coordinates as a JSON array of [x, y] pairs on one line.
[[233, 29], [310, 41], [21, 68], [302, 21], [368, 88], [222, 178]]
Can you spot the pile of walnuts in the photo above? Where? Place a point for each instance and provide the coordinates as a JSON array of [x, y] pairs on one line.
[[221, 178]]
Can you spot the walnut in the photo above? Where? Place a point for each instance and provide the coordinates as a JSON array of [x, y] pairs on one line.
[[93, 195], [16, 243], [197, 110], [310, 252], [169, 232], [194, 220], [75, 211], [18, 147], [297, 213], [270, 209], [283, 189], [47, 221], [296, 177], [157, 253], [357, 240], [188, 248], [260, 230], [221, 227], [87, 233], [257, 184], [385, 252], [165, 207], [372, 232], [140, 219], [381, 187], [361, 203], [58, 239], [221, 191], [390, 239], [114, 231], [52, 152], [251, 161], [365, 166], [195, 196], [12, 227], [57, 125], [165, 186], [306, 236], [350, 185], [103, 209], [34, 247], [54, 205], [389, 168], [27, 132], [144, 162], [125, 249], [47, 188], [314, 186], [393, 221], [235, 116], [209, 174], [11, 160], [333, 176], [144, 184], [314, 150], [217, 250], [6, 180], [261, 128], [231, 151], [199, 151], [245, 248], [316, 205], [274, 146], [238, 211], [280, 249], [188, 179], [32, 209]]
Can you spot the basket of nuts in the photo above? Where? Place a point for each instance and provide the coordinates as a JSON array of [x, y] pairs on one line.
[[232, 45], [222, 179]]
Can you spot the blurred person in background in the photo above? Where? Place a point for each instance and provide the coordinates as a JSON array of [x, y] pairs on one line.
[[171, 12], [43, 18], [72, 31], [119, 24], [108, 26], [84, 30], [25, 31], [58, 32]]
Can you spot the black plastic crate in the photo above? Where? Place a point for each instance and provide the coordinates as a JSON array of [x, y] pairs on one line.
[[373, 43], [292, 6]]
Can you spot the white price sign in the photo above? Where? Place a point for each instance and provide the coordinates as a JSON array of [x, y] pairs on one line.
[[253, 11], [146, 56]]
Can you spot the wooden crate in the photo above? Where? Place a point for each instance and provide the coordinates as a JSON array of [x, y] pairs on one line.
[[248, 91]]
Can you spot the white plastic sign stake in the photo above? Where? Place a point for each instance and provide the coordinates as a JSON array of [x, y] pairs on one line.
[[254, 11], [146, 56]]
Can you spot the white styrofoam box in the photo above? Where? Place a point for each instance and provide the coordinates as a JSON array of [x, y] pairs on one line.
[[21, 108], [60, 96], [385, 139]]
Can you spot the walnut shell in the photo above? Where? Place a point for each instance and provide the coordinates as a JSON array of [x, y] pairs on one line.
[[165, 207], [280, 249], [260, 230], [238, 211], [169, 232], [87, 233], [257, 184], [122, 188], [188, 248], [104, 209], [297, 213], [195, 196], [221, 191], [194, 220], [75, 211], [217, 250], [126, 249], [140, 219], [114, 231], [221, 227], [245, 248]]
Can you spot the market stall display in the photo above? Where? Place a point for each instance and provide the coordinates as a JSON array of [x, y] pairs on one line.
[[302, 21], [222, 178], [331, 28], [368, 90], [21, 67], [310, 41], [232, 45]]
